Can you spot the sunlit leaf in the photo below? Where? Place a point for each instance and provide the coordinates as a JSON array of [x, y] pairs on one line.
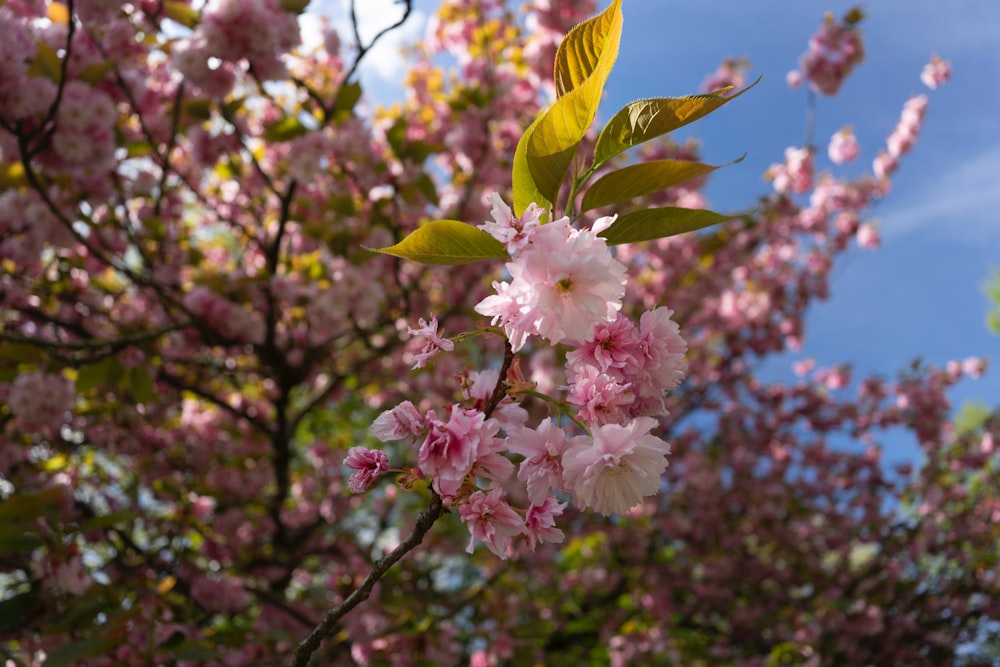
[[46, 63], [447, 242], [641, 179], [181, 13], [658, 223], [12, 175], [553, 141], [347, 97], [94, 72], [579, 53], [525, 190], [643, 120], [284, 129], [197, 108]]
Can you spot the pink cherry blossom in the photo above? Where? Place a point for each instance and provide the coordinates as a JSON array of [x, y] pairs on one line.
[[542, 449], [491, 521], [615, 468], [41, 401], [434, 341], [402, 421], [540, 523], [452, 447], [936, 72], [564, 283], [514, 232], [843, 146], [369, 466]]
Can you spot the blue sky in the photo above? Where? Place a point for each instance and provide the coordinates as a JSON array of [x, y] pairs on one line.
[[920, 295]]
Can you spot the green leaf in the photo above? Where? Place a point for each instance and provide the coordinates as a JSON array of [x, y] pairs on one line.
[[396, 134], [553, 142], [284, 129], [94, 72], [21, 353], [16, 611], [525, 190], [181, 13], [447, 242], [197, 108], [347, 97], [294, 6], [579, 53], [642, 179], [70, 654], [46, 63], [658, 223], [141, 385], [643, 120], [95, 375], [19, 540], [12, 175], [106, 521], [21, 506]]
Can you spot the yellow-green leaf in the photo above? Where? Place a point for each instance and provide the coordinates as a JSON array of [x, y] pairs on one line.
[[199, 108], [46, 62], [525, 190], [181, 13], [641, 179], [658, 223], [579, 53], [94, 72], [12, 175], [284, 129], [553, 142], [643, 120], [447, 242], [347, 97]]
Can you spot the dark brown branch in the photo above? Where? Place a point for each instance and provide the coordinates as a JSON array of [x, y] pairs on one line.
[[363, 49]]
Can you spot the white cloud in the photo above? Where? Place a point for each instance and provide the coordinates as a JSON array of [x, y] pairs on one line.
[[383, 67], [963, 203]]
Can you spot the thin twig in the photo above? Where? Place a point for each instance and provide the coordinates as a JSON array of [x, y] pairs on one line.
[[309, 645]]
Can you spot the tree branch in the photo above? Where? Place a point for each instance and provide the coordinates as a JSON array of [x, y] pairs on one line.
[[309, 645]]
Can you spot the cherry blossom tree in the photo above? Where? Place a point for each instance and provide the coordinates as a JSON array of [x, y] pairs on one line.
[[248, 417]]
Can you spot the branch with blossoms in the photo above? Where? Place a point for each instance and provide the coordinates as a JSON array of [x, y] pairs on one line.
[[565, 290]]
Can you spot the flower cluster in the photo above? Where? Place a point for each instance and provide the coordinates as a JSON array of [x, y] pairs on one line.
[[903, 137], [936, 72], [564, 281], [566, 287], [40, 401], [834, 51], [795, 174], [843, 146]]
